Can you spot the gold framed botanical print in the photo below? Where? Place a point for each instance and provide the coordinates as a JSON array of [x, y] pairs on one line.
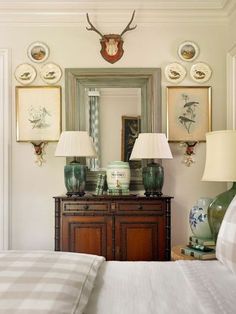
[[188, 113], [38, 113]]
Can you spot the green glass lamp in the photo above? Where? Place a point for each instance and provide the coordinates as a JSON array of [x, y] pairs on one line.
[[75, 144], [152, 146], [220, 166]]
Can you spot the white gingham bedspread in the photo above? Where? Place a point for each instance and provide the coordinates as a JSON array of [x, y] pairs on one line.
[[40, 282]]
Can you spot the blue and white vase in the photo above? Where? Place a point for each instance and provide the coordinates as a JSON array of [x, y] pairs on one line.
[[198, 219]]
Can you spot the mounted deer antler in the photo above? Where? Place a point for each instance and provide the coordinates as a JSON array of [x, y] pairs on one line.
[[112, 44], [128, 28], [92, 28]]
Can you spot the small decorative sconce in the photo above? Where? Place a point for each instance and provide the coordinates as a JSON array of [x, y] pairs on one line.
[[39, 152], [189, 152]]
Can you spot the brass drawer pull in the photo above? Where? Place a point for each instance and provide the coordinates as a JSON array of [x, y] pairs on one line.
[[140, 207]]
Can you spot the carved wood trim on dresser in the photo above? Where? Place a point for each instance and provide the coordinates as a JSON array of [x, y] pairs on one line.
[[126, 228]]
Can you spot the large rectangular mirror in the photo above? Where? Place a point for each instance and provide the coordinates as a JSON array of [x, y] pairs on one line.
[[137, 93]]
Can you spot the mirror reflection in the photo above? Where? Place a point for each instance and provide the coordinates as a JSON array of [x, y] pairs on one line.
[[113, 122], [121, 99]]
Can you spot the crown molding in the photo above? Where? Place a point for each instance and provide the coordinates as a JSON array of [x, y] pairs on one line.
[[232, 11], [150, 11], [229, 7], [157, 4]]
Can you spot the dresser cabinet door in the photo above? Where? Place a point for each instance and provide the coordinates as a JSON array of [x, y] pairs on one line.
[[87, 234], [118, 228], [139, 238]]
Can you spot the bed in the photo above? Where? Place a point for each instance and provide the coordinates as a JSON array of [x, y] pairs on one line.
[[181, 287], [42, 282], [57, 282]]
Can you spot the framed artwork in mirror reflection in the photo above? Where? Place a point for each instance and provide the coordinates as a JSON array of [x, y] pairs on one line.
[[131, 127]]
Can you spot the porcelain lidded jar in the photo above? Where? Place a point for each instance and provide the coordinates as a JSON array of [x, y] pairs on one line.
[[118, 175], [198, 219]]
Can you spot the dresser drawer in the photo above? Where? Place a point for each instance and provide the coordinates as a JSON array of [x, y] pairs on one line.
[[85, 206], [140, 207]]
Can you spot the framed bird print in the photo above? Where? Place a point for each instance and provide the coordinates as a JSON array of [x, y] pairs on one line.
[[131, 127], [188, 113], [38, 113]]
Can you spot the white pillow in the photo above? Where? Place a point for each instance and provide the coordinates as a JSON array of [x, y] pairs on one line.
[[226, 241], [46, 281]]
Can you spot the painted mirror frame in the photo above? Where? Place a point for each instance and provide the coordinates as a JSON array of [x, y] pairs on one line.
[[77, 80]]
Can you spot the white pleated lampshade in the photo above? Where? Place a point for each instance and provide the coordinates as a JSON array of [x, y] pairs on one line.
[[151, 146], [75, 144], [220, 156]]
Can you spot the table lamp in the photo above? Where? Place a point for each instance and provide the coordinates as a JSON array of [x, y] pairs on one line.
[[220, 166], [152, 146], [75, 144]]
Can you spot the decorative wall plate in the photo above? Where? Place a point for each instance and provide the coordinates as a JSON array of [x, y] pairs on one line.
[[188, 51], [50, 73], [25, 73], [38, 52], [200, 72], [175, 72]]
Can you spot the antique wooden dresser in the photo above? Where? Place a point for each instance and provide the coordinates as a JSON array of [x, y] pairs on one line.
[[124, 228]]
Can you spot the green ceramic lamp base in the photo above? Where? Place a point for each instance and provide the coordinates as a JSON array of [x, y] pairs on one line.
[[217, 209], [153, 179], [75, 178]]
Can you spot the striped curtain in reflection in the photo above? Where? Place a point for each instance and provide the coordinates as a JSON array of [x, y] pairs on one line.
[[94, 126]]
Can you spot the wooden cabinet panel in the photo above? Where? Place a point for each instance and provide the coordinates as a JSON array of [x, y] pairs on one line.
[[140, 206], [117, 227], [85, 206], [86, 234], [139, 238]]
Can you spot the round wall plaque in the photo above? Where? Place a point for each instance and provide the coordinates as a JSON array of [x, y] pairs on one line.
[[175, 72], [200, 72]]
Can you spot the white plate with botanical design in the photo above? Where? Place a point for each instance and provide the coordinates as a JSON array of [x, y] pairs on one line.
[[51, 73], [188, 51], [25, 73], [200, 72], [175, 72]]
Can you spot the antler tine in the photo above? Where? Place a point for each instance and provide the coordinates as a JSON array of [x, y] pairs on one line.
[[128, 28], [92, 28]]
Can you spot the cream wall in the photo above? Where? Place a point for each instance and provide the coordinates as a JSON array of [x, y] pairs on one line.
[[150, 45], [232, 31], [231, 72], [115, 103]]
